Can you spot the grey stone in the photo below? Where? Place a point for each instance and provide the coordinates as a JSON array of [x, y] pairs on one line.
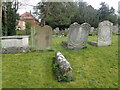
[[14, 41], [41, 37], [64, 65], [92, 43], [115, 29], [105, 33], [77, 37], [13, 50], [56, 30], [92, 29]]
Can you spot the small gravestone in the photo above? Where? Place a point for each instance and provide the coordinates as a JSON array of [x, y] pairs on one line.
[[56, 30], [115, 29], [41, 37], [104, 34], [92, 29], [66, 31], [78, 35]]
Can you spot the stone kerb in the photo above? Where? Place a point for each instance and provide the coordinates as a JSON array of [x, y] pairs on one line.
[[14, 44]]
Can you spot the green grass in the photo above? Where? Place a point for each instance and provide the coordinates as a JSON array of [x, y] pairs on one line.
[[93, 67]]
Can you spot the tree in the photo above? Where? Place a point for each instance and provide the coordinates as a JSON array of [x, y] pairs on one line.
[[28, 28], [59, 13], [86, 13], [107, 14], [9, 17]]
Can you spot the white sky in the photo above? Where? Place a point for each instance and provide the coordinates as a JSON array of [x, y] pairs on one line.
[[94, 3]]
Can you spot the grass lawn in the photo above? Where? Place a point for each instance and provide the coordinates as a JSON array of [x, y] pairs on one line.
[[93, 67]]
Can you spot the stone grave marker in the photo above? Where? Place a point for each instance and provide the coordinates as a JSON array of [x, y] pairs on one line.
[[41, 37], [56, 30], [115, 29], [77, 37], [104, 34], [92, 29]]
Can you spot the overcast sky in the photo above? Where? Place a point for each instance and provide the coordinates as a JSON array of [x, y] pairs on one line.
[[94, 3]]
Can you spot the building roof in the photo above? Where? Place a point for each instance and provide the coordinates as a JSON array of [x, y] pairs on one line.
[[26, 16]]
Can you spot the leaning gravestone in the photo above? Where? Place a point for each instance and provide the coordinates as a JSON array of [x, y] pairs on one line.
[[64, 68], [104, 34], [41, 37], [78, 35]]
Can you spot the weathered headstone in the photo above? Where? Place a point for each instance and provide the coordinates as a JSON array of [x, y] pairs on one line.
[[78, 35], [56, 30], [115, 29], [104, 34], [92, 29], [41, 37], [66, 31]]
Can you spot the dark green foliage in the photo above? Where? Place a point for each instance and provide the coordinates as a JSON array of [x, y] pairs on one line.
[[56, 13], [28, 28], [58, 74], [86, 13], [9, 17], [63, 14], [22, 32], [107, 14]]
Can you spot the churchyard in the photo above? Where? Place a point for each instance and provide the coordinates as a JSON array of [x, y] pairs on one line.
[[68, 45], [92, 66]]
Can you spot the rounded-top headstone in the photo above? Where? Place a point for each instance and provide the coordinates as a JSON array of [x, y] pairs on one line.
[[78, 35], [105, 33]]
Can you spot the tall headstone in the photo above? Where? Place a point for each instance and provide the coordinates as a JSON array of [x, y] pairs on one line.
[[104, 34], [41, 37], [77, 37]]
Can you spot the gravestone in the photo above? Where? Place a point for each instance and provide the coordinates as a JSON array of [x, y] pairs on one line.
[[66, 31], [56, 30], [41, 37], [78, 35], [104, 34], [115, 29], [92, 29]]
